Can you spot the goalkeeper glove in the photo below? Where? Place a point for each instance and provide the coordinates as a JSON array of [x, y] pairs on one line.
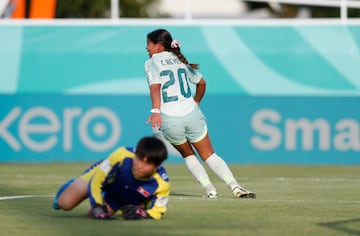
[[100, 212], [132, 212]]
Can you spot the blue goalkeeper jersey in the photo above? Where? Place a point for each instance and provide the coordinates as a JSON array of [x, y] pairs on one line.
[[111, 180]]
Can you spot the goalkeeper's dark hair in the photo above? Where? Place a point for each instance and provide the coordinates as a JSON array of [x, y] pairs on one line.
[[163, 37], [153, 149]]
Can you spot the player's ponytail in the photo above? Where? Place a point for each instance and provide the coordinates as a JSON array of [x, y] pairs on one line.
[[163, 37]]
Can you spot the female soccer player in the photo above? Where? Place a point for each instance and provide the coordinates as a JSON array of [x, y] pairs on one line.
[[130, 179], [177, 114]]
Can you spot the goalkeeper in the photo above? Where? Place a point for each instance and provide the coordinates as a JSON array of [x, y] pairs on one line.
[[130, 181]]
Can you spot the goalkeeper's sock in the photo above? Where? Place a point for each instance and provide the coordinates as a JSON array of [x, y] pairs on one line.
[[221, 169], [60, 191], [199, 172]]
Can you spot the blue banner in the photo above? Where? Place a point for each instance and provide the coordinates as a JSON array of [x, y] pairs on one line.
[[69, 128], [244, 129]]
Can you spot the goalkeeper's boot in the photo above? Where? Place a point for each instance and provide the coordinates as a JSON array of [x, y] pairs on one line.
[[60, 191], [240, 192]]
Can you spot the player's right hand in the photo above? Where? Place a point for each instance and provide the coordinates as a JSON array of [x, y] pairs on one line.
[[100, 212], [133, 212], [155, 119]]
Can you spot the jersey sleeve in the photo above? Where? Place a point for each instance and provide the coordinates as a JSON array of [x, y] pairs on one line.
[[194, 75], [152, 72], [158, 204], [99, 177]]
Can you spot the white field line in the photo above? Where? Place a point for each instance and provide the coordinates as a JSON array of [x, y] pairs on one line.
[[199, 198], [285, 179], [312, 179], [22, 196], [15, 197], [21, 176], [2, 198]]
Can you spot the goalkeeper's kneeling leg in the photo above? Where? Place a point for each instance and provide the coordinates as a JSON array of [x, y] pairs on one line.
[[60, 191]]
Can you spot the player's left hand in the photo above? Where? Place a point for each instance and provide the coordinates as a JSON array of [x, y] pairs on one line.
[[133, 212]]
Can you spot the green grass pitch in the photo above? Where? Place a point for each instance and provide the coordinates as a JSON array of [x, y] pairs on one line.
[[291, 200]]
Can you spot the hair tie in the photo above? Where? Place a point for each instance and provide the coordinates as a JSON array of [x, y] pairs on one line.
[[175, 44]]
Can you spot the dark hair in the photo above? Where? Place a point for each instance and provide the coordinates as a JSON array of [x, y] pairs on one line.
[[163, 37], [153, 149]]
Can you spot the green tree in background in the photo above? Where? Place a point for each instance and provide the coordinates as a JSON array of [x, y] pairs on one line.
[[150, 9], [82, 8], [101, 8]]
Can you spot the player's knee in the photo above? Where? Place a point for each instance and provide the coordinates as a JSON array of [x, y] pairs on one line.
[[206, 155], [64, 204]]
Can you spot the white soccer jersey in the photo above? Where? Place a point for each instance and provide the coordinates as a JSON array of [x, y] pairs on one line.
[[166, 69]]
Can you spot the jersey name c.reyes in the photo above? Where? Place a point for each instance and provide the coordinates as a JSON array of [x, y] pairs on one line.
[[170, 61]]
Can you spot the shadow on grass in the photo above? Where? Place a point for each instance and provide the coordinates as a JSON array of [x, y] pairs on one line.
[[83, 217], [183, 194], [70, 216], [343, 226]]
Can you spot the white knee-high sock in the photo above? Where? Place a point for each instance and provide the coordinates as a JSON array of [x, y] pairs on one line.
[[199, 172], [221, 169]]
